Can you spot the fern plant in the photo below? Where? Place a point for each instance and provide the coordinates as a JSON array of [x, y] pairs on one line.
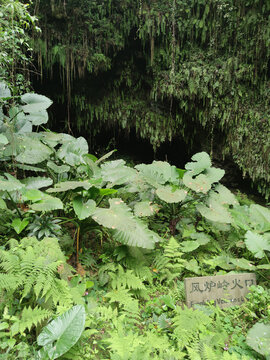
[[30, 274]]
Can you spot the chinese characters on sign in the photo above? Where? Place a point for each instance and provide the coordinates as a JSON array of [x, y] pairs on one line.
[[222, 290]]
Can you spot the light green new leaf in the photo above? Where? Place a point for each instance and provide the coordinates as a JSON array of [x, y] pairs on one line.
[[201, 161], [201, 237], [35, 102], [257, 244], [215, 212], [63, 332], [19, 225], [58, 169], [167, 194], [83, 209], [37, 182], [32, 195], [70, 185], [258, 338], [47, 203], [145, 208]]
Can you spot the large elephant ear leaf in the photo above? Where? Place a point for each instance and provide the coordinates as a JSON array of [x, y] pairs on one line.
[[200, 183], [11, 184], [223, 195], [158, 173], [257, 244], [127, 229], [73, 150], [47, 203], [117, 173], [258, 338], [83, 209], [215, 212], [260, 217], [62, 333], [201, 161], [145, 208], [35, 102], [169, 195], [4, 90]]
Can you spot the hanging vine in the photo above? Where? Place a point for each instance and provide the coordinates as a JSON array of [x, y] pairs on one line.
[[166, 71]]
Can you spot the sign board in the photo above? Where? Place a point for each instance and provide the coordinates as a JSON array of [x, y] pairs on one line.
[[223, 290]]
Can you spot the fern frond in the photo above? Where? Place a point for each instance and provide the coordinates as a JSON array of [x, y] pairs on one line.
[[125, 279], [29, 318]]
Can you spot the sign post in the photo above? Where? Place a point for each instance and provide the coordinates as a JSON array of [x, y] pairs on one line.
[[222, 290]]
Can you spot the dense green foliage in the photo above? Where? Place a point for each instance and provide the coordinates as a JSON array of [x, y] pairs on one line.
[[93, 252], [198, 69]]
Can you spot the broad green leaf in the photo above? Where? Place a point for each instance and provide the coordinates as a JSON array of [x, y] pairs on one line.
[[243, 264], [117, 173], [19, 225], [52, 139], [118, 216], [63, 332], [83, 209], [4, 90], [214, 174], [38, 117], [215, 212], [188, 246], [257, 244], [127, 229], [29, 168], [32, 151], [106, 192], [72, 151], [11, 184], [32, 195], [201, 238], [35, 102], [263, 266], [200, 183], [70, 185], [3, 139], [2, 204], [145, 208], [47, 203], [201, 161], [140, 236], [260, 216], [223, 195], [167, 194], [192, 265], [158, 173], [37, 182], [258, 338], [58, 169]]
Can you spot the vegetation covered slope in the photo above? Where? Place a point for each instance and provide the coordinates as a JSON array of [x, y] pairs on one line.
[[167, 69]]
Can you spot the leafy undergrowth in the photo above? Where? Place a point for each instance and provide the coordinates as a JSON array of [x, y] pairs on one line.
[[93, 252]]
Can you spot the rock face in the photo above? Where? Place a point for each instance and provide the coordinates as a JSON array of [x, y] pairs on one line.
[[197, 73]]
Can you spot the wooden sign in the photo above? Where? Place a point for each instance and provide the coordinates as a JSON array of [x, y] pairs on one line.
[[222, 290]]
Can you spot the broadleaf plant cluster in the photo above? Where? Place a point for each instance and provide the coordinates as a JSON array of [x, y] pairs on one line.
[[130, 233]]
